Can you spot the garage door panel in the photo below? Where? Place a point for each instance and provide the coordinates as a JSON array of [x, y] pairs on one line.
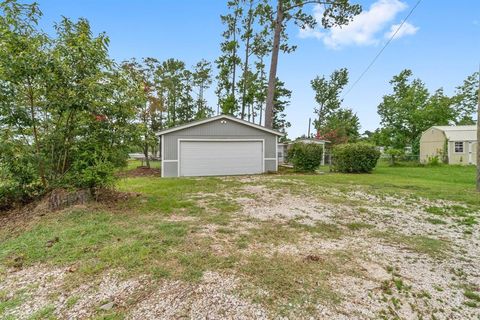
[[211, 158]]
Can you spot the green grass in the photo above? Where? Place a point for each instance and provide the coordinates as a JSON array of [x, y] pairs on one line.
[[472, 295], [10, 303], [132, 164], [453, 211], [355, 226], [435, 221], [322, 229], [293, 282], [435, 248], [44, 313], [455, 183]]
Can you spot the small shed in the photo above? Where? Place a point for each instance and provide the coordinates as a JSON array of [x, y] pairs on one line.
[[217, 146], [453, 144]]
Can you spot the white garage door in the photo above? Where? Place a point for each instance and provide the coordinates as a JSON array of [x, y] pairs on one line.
[[216, 158]]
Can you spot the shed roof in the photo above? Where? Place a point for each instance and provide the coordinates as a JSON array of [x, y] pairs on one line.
[[459, 133], [222, 116], [312, 140]]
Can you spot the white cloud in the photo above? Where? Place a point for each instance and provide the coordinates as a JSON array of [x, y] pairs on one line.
[[406, 30], [364, 29]]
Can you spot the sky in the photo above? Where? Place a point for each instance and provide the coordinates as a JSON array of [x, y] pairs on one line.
[[440, 43]]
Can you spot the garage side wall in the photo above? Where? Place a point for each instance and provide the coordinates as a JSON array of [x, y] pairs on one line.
[[219, 129]]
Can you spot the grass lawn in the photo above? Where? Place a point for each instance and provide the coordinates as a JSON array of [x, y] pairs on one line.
[[290, 240], [455, 183], [132, 164]]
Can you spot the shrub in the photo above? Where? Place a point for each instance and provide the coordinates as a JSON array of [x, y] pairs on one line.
[[394, 155], [433, 161], [355, 157], [305, 157]]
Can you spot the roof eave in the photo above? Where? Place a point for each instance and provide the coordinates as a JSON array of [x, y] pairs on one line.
[[223, 116]]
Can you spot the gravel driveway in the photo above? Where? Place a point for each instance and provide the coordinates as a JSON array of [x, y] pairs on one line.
[[403, 262]]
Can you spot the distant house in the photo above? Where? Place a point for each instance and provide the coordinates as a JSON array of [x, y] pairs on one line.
[[452, 144]]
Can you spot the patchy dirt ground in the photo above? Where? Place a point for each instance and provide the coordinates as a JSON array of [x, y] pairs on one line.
[[140, 172], [404, 260]]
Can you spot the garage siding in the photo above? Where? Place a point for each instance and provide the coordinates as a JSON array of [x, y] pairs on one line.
[[170, 169], [216, 130]]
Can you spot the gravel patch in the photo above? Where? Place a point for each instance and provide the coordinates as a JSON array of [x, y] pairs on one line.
[[212, 298]]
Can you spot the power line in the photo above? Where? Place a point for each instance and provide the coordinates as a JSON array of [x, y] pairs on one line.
[[383, 49]]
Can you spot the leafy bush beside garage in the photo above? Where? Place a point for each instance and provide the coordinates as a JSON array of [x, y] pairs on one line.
[[305, 157], [355, 158]]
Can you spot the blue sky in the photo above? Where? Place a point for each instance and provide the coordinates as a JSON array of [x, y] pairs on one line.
[[440, 43]]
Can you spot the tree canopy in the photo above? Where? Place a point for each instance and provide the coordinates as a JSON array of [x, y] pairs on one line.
[[65, 107], [411, 109]]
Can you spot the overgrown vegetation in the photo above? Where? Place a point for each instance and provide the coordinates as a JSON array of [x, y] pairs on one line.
[[65, 108], [355, 158]]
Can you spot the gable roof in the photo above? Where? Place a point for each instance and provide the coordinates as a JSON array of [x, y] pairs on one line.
[[222, 116], [459, 133]]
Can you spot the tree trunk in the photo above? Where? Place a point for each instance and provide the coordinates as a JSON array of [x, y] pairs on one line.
[[145, 136], [41, 168], [145, 152], [320, 118], [261, 113], [245, 66], [273, 66], [478, 134], [234, 55], [200, 102]]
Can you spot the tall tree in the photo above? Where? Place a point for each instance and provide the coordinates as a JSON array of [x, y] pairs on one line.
[[260, 95], [327, 94], [282, 100], [174, 77], [140, 78], [23, 71], [335, 13], [202, 80], [261, 47], [247, 27], [341, 126], [478, 132], [400, 112], [229, 61], [466, 98]]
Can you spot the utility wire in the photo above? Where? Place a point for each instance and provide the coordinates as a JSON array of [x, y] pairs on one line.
[[383, 49]]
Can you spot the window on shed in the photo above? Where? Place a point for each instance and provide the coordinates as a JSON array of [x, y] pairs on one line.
[[459, 147]]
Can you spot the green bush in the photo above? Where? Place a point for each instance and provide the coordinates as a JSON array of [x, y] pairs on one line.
[[305, 157], [11, 192], [395, 155], [355, 158], [433, 161]]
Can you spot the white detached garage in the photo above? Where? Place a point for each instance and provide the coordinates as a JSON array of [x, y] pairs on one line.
[[221, 145]]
